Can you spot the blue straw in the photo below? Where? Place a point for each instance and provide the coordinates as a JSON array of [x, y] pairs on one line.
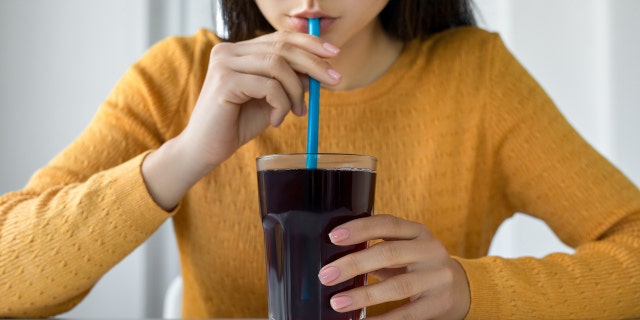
[[314, 107]]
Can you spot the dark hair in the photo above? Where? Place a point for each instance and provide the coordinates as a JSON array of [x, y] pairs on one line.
[[403, 19]]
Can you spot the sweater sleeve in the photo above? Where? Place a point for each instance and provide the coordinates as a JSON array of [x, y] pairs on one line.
[[88, 208], [547, 170]]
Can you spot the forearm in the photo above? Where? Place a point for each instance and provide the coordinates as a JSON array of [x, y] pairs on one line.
[[55, 245], [600, 281]]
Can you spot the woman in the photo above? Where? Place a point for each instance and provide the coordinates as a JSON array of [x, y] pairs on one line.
[[464, 135]]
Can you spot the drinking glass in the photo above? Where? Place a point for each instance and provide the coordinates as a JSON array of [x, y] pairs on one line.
[[299, 206]]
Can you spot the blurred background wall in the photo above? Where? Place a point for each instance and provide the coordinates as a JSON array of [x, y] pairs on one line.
[[60, 58]]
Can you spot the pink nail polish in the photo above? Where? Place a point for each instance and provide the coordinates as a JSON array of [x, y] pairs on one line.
[[334, 74], [331, 48], [338, 235], [341, 302], [329, 274]]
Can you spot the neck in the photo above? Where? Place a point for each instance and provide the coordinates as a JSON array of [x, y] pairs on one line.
[[366, 58]]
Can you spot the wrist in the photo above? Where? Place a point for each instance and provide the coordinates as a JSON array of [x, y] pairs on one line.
[[170, 171]]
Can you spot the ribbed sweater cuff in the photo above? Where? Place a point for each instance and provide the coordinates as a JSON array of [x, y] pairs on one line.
[[486, 302], [133, 199]]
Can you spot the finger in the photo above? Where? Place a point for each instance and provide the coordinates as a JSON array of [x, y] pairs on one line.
[[383, 226], [277, 99], [308, 60], [309, 43], [258, 87], [272, 66], [397, 288], [383, 255], [424, 308]]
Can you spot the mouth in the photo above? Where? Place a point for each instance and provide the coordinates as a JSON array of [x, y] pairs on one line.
[[300, 21]]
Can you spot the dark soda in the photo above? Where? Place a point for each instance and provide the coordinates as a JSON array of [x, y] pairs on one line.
[[299, 207]]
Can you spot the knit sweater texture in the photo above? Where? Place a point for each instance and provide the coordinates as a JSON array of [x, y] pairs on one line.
[[465, 138]]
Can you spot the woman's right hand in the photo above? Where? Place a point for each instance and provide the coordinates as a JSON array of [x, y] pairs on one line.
[[249, 85]]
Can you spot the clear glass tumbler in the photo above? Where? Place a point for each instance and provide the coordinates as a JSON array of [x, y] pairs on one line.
[[299, 206]]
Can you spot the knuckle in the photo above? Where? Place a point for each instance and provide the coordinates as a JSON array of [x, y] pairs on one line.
[[355, 263], [219, 78], [439, 251], [273, 60], [402, 287], [273, 93], [389, 251], [385, 218], [280, 46], [422, 229], [447, 276], [370, 296], [393, 223], [319, 63], [272, 85], [219, 49]]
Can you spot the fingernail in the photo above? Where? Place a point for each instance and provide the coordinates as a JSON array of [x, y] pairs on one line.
[[334, 74], [338, 235], [341, 302], [331, 48], [329, 274]]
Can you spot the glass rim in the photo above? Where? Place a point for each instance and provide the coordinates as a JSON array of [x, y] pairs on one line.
[[324, 161], [322, 154]]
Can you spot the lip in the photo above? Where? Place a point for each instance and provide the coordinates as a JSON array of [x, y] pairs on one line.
[[300, 21]]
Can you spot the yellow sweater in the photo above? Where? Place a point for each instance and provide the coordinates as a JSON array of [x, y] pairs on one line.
[[464, 136]]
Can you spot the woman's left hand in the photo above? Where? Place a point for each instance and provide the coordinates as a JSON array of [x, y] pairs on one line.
[[410, 263]]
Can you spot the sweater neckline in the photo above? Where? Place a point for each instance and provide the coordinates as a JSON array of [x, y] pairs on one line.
[[391, 78]]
